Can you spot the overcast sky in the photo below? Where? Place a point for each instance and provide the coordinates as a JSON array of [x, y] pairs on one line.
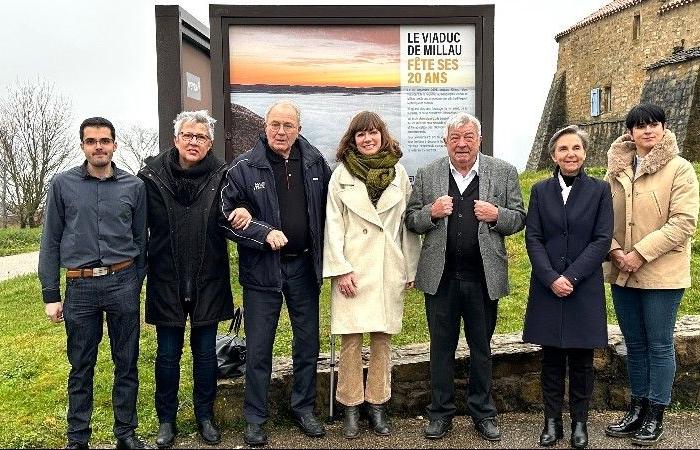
[[102, 56]]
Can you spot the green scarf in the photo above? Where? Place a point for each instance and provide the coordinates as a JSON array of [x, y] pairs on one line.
[[375, 171]]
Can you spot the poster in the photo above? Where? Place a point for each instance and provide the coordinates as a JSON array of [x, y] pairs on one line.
[[414, 77]]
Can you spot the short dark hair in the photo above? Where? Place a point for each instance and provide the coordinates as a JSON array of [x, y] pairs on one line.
[[366, 121], [644, 114], [97, 122]]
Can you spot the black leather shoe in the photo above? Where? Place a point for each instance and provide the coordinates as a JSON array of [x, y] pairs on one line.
[[579, 435], [438, 428], [166, 434], [632, 420], [553, 431], [77, 445], [652, 429], [310, 425], [210, 435], [351, 422], [378, 419], [488, 429], [131, 441], [254, 435]]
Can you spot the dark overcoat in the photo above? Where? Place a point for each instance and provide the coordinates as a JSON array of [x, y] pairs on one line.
[[570, 240], [169, 224]]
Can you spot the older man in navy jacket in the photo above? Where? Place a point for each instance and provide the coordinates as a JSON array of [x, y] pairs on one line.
[[282, 181]]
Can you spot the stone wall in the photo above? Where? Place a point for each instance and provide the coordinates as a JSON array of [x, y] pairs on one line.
[[604, 54], [675, 87], [553, 118], [516, 374]]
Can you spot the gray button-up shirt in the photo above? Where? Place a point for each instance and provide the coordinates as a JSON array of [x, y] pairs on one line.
[[90, 222]]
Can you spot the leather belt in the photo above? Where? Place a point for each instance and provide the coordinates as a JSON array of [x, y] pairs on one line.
[[98, 271], [295, 255]]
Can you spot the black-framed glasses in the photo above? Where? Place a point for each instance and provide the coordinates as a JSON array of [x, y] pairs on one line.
[[200, 138], [102, 141]]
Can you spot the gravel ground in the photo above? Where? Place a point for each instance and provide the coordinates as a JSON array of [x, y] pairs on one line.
[[16, 265], [519, 431]]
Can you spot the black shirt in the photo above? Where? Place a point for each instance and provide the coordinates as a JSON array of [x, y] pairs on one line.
[[291, 196]]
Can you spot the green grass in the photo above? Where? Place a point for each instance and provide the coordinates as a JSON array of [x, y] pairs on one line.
[[34, 368], [14, 241]]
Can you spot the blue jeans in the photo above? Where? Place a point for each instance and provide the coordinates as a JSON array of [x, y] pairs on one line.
[[647, 318], [169, 353], [88, 301]]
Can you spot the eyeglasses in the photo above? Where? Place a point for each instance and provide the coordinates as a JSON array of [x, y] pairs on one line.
[[286, 126], [201, 138], [102, 141]]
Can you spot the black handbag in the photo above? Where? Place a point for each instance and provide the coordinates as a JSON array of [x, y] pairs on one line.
[[230, 349]]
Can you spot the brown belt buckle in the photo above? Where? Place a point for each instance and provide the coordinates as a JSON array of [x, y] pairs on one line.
[[99, 271]]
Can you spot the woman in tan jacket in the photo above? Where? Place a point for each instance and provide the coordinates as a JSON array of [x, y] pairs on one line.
[[655, 202], [371, 258]]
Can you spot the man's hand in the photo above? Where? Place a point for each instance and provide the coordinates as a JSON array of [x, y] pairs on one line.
[[240, 218], [54, 311], [410, 285], [485, 211], [562, 287], [442, 207], [347, 284], [276, 239]]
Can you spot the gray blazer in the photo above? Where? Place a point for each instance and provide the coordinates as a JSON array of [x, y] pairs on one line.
[[498, 184]]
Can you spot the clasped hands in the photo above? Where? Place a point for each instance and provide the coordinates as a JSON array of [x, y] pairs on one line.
[[484, 211], [626, 262]]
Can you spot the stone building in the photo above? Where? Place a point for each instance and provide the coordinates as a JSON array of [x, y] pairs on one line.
[[627, 52]]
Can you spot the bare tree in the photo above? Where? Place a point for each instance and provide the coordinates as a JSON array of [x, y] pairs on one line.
[[136, 143], [35, 143]]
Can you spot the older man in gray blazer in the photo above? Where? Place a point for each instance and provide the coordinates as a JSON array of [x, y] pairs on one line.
[[464, 204]]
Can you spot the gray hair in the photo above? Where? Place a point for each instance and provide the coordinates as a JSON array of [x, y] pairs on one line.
[[201, 116], [287, 103], [571, 129], [458, 120]]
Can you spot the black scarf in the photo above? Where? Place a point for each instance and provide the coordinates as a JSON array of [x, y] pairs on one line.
[[187, 182]]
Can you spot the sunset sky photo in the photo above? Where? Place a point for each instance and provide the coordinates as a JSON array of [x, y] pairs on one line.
[[309, 55]]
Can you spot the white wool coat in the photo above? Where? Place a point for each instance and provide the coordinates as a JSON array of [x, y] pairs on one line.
[[375, 244]]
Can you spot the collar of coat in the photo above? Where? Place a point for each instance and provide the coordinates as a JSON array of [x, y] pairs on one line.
[[623, 150]]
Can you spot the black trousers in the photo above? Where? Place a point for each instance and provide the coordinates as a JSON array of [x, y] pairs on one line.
[[262, 312], [454, 302], [554, 363], [88, 301]]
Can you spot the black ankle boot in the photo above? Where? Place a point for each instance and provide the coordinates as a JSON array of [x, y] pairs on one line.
[[632, 421], [653, 427], [166, 434], [351, 422], [378, 419], [579, 435], [553, 431]]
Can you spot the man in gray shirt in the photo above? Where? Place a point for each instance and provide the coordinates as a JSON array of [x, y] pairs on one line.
[[95, 227]]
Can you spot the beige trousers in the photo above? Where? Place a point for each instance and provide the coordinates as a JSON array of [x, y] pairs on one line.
[[351, 390]]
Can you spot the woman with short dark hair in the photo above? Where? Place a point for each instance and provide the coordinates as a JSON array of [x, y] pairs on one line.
[[568, 233], [655, 199]]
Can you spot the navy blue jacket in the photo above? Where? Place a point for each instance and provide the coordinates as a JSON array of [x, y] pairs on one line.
[[570, 240], [251, 182]]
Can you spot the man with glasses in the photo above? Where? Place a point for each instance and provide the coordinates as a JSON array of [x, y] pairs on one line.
[[282, 181], [95, 227]]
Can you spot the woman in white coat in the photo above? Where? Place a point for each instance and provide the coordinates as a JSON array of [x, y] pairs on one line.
[[371, 258]]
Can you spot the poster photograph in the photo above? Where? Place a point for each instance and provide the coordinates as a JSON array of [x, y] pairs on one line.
[[413, 76]]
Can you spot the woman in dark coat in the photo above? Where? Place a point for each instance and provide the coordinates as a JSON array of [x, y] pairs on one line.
[[188, 268], [569, 230]]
